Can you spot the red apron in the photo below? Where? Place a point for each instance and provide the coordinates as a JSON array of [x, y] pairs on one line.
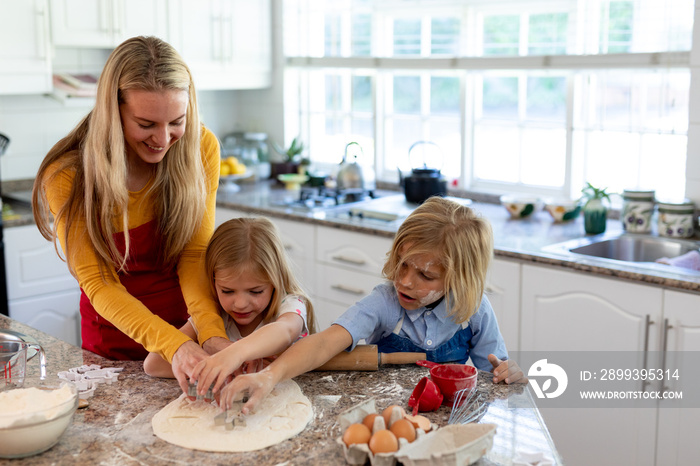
[[157, 288]]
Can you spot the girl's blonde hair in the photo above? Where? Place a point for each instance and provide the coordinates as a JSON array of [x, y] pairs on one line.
[[463, 242], [254, 245], [95, 153]]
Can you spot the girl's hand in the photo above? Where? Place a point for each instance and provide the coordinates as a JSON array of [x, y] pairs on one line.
[[250, 367], [257, 385], [507, 371], [213, 371]]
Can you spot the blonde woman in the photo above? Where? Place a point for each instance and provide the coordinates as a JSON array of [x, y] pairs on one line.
[[433, 302], [132, 191], [263, 306]]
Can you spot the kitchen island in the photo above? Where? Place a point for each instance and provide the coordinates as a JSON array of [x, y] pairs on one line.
[[116, 426]]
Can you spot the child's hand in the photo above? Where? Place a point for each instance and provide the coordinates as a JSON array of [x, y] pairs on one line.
[[213, 371], [250, 367], [507, 371], [258, 386]]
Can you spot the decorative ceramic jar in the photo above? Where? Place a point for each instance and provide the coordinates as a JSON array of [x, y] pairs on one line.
[[676, 219], [637, 209]]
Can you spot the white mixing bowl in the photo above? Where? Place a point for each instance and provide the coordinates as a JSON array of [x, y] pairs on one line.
[[36, 415]]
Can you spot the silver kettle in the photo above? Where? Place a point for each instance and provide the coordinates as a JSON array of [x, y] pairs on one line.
[[351, 175]]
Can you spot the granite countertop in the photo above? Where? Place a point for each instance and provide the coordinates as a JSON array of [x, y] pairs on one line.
[[116, 426], [517, 239]]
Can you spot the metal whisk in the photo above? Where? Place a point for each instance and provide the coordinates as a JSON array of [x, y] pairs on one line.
[[468, 406]]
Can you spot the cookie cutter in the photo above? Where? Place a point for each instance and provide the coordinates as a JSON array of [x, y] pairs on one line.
[[232, 417], [192, 392]]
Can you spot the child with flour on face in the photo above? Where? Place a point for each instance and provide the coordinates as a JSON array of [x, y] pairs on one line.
[[263, 306], [433, 302]]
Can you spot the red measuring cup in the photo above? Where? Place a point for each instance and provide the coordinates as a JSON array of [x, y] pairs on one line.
[[425, 397], [451, 378]]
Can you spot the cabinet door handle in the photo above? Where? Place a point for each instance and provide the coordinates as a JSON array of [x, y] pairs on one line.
[[647, 323], [348, 289], [288, 247], [349, 260], [664, 348]]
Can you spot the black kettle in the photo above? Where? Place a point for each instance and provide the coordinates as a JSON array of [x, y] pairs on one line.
[[424, 181]]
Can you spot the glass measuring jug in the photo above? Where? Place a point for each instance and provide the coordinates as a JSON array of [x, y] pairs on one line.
[[13, 361]]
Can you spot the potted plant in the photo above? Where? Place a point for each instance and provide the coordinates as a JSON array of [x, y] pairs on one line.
[[595, 209], [288, 160]]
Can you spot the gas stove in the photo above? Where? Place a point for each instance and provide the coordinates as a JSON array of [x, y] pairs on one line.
[[320, 196]]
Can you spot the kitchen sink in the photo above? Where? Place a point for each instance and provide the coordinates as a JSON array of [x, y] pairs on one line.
[[642, 250]]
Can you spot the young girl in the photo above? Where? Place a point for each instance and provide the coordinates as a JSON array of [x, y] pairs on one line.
[[262, 305], [433, 302]]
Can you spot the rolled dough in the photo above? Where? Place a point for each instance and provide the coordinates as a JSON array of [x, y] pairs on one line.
[[190, 424]]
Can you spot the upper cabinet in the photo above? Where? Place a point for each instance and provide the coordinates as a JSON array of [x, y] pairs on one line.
[[106, 23], [226, 43], [25, 60]]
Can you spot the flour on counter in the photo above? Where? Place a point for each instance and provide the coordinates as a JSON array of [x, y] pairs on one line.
[[28, 405]]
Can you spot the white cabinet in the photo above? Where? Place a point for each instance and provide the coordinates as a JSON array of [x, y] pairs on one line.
[[677, 441], [106, 23], [298, 239], [566, 311], [57, 314], [348, 266], [226, 43], [503, 291], [41, 291], [221, 215], [25, 59]]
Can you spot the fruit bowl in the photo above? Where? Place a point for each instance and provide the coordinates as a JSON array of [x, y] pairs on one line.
[[521, 206], [562, 210], [35, 415], [293, 181]]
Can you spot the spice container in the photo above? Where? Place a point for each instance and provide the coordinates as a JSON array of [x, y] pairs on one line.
[[676, 219], [637, 209]]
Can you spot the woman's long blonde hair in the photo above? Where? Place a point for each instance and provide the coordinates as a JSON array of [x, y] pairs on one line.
[[463, 242], [95, 153], [254, 245]]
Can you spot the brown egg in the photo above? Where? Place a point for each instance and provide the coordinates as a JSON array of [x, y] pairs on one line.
[[369, 420], [403, 428], [356, 433], [386, 414], [419, 422], [383, 441]]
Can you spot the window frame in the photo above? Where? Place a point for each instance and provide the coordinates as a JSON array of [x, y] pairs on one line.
[[468, 69]]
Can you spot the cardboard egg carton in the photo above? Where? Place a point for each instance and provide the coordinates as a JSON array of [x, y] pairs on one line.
[[359, 453], [457, 444]]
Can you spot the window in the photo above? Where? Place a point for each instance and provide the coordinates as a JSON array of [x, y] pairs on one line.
[[530, 96]]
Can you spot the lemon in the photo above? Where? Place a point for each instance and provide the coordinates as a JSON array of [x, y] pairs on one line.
[[225, 169], [238, 169]]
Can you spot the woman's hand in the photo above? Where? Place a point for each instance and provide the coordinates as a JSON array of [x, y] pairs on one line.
[[216, 344], [507, 371], [184, 361], [257, 385]]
